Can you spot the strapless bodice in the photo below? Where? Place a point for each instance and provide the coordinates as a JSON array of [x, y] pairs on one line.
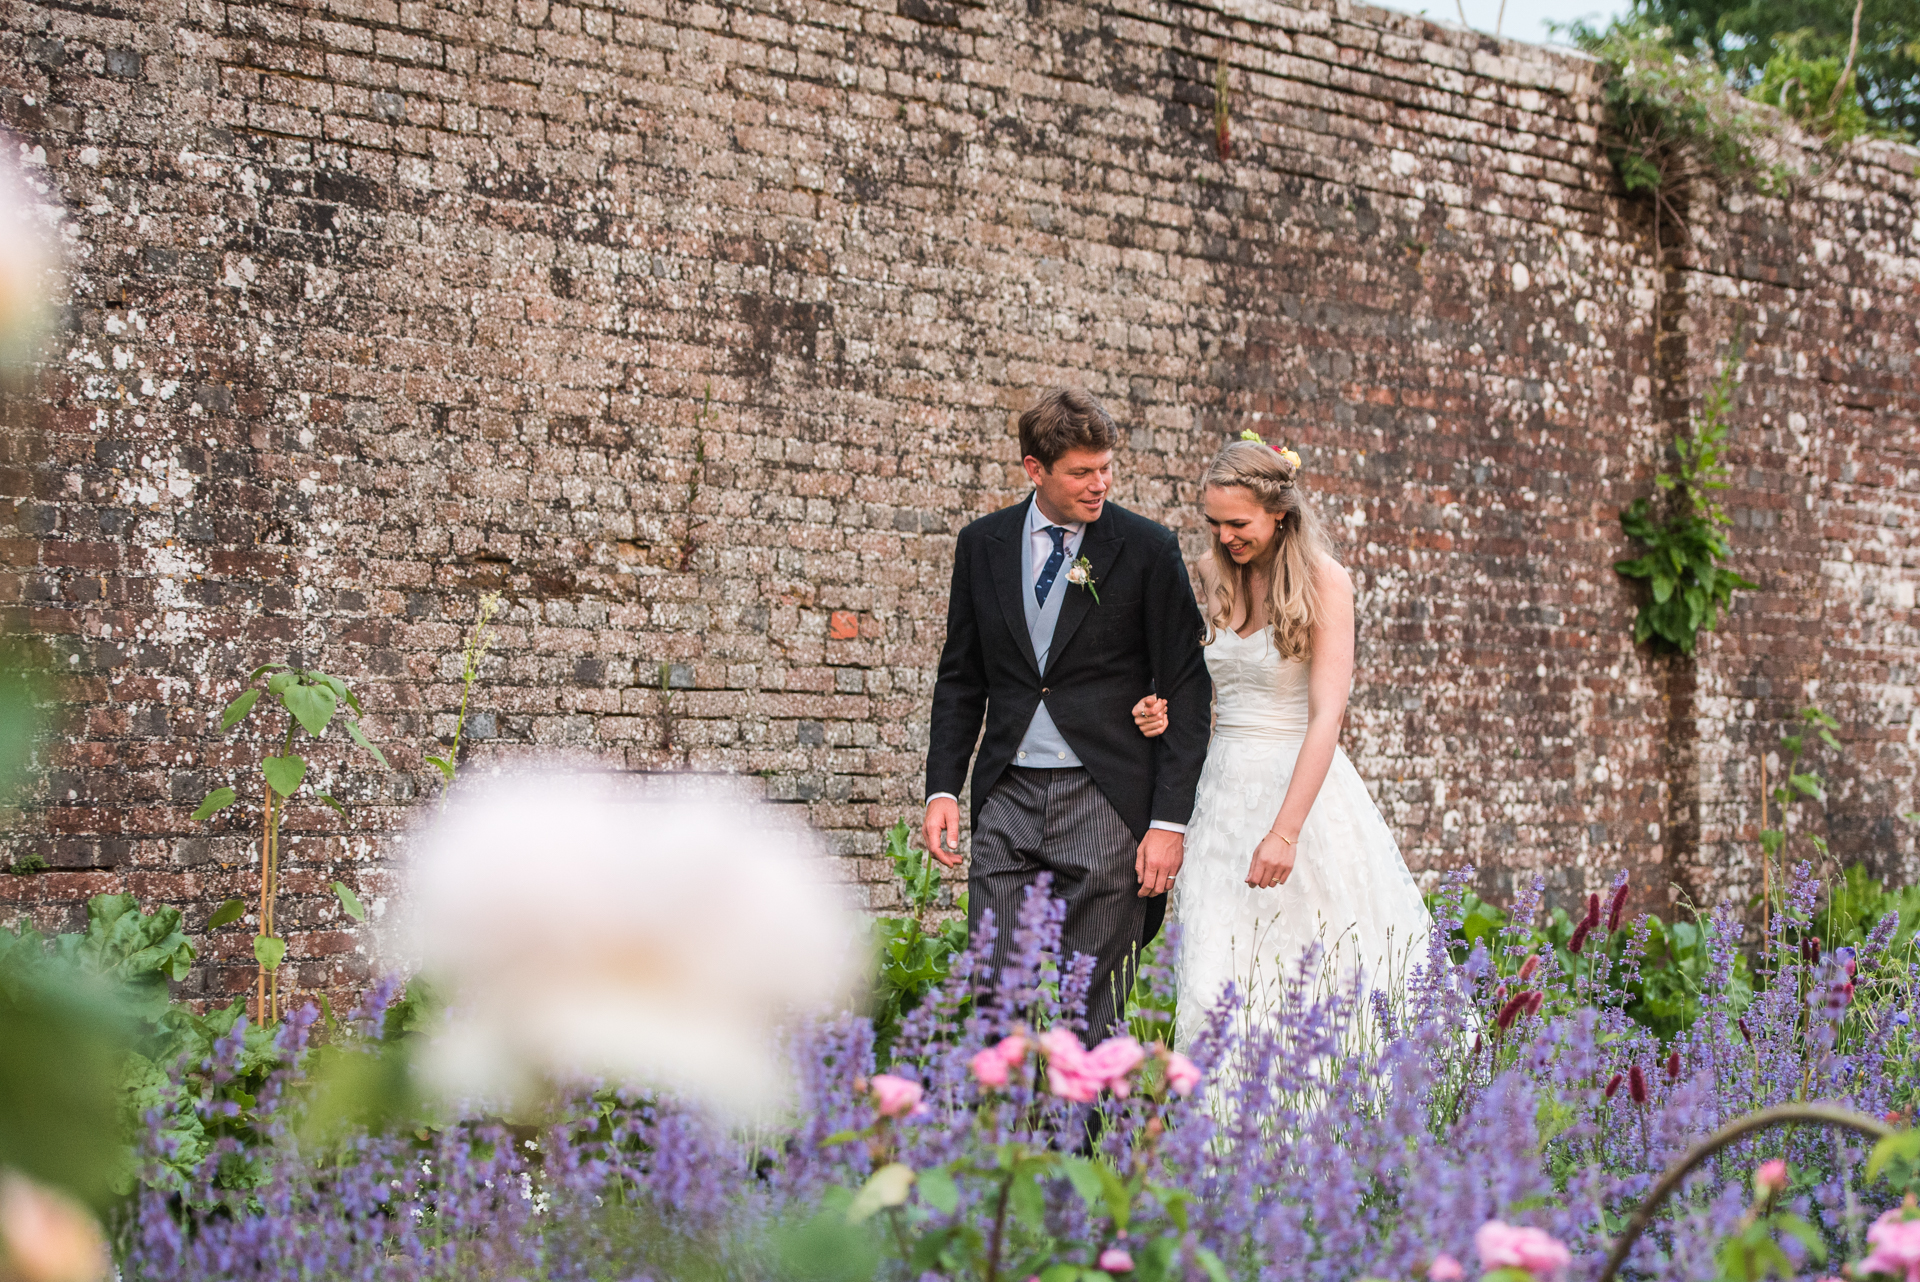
[[1257, 694]]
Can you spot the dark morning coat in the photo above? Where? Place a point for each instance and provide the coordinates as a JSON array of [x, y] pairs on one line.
[[1142, 637]]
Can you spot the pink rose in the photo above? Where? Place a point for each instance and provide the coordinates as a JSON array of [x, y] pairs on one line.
[[1504, 1246], [989, 1068], [1013, 1049], [1116, 1057], [1060, 1042], [1771, 1177], [1182, 1075], [1116, 1260], [1445, 1269], [1113, 1060], [1069, 1075], [1896, 1247], [895, 1096]]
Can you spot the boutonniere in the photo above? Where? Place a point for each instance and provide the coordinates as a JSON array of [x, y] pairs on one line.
[[1080, 573]]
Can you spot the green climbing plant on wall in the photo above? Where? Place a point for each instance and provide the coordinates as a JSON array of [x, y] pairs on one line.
[[1684, 566]]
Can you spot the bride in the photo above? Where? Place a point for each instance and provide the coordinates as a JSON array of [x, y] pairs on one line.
[[1285, 848]]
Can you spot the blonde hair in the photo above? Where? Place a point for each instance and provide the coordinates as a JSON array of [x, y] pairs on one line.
[[1293, 598]]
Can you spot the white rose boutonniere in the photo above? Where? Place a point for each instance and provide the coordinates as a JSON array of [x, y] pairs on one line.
[[1080, 573]]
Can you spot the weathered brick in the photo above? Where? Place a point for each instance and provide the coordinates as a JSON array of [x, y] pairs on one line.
[[698, 333]]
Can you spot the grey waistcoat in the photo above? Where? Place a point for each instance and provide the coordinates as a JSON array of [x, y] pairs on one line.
[[1043, 745]]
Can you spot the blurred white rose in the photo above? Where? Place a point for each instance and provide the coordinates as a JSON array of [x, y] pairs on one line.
[[27, 259], [46, 1236], [578, 931]]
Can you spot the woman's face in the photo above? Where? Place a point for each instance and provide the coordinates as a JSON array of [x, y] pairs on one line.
[[1245, 529]]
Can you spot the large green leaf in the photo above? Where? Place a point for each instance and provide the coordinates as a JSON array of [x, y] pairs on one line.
[[284, 773], [1903, 1145], [311, 706], [938, 1190], [269, 951], [231, 911], [217, 800], [238, 709]]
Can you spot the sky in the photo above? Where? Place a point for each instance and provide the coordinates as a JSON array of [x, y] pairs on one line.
[[1525, 19]]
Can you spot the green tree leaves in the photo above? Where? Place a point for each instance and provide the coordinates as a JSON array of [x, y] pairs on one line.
[[1741, 39]]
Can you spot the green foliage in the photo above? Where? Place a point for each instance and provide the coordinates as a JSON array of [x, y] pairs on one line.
[[1856, 902], [1661, 990], [60, 1034], [312, 701], [1808, 89], [1752, 1252], [1798, 785], [27, 863], [1121, 1203], [1688, 586], [1740, 37], [1672, 118], [103, 1039], [349, 902], [1666, 995], [479, 638], [911, 957], [1152, 1009]]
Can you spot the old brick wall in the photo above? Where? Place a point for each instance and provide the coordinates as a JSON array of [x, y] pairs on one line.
[[698, 333]]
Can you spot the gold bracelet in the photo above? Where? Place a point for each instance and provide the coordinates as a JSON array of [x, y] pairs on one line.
[[1290, 841]]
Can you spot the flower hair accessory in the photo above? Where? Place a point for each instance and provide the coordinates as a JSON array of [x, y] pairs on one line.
[[1293, 460]]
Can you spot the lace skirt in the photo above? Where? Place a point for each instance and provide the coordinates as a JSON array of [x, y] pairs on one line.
[[1350, 890]]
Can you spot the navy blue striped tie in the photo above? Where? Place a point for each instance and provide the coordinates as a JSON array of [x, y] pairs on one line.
[[1052, 567]]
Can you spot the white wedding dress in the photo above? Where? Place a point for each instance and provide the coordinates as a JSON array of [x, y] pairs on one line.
[[1349, 890]]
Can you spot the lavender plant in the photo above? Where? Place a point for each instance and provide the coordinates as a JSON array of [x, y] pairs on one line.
[[1500, 1108]]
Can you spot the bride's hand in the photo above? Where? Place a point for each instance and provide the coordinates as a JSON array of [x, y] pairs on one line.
[[1272, 862], [1150, 714]]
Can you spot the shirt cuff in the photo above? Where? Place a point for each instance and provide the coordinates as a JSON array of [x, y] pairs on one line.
[[1164, 826], [935, 796]]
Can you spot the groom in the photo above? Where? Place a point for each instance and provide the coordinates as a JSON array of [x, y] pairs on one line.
[[1066, 610]]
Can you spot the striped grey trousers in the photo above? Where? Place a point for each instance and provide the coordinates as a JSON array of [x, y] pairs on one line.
[[1057, 821]]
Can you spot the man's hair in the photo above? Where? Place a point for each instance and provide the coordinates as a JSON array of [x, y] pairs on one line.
[[1062, 419]]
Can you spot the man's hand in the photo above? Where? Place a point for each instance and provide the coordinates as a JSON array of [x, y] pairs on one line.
[[1158, 859], [942, 827]]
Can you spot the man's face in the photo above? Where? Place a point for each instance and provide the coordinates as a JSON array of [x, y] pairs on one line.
[[1075, 487]]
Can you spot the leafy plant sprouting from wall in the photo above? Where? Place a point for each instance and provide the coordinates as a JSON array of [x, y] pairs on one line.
[[311, 701], [1688, 584], [479, 638], [1673, 119]]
